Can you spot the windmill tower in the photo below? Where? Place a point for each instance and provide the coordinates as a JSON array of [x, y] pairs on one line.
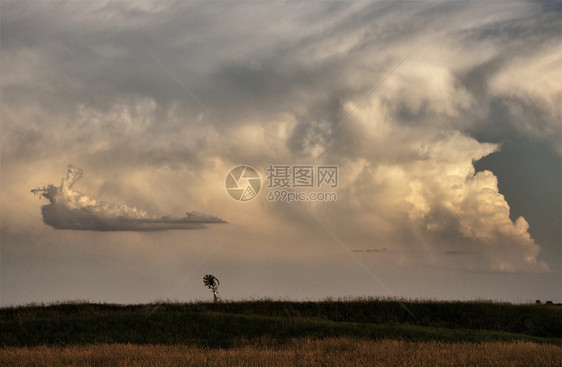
[[213, 284]]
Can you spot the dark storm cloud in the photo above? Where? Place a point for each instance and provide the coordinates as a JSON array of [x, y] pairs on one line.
[[70, 209], [102, 58]]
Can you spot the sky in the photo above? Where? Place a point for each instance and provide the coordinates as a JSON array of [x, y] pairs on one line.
[[122, 121]]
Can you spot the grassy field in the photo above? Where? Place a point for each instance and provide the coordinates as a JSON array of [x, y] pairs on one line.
[[296, 352], [368, 331]]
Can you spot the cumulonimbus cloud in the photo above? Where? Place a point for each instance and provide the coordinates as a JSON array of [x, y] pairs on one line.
[[70, 209], [406, 155]]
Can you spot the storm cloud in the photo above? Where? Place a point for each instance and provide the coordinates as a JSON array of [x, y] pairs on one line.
[[452, 164], [70, 209]]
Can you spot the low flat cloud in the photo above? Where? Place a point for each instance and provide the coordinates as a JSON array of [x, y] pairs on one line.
[[70, 209], [384, 249]]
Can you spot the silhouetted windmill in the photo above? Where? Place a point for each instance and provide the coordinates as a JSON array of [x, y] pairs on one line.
[[212, 283]]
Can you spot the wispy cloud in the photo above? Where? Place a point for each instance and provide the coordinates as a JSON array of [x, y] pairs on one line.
[[376, 250]]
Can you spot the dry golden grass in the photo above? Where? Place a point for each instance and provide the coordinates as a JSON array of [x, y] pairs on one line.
[[301, 352]]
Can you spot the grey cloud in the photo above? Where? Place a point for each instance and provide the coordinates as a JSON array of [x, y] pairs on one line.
[[274, 73], [70, 209], [376, 250], [456, 252]]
